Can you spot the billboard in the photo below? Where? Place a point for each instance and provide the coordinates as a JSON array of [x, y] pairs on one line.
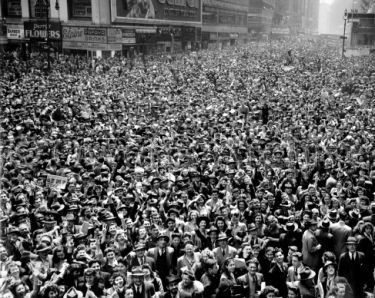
[[151, 11]]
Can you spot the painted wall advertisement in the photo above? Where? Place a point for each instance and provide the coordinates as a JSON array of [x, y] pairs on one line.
[[174, 10], [36, 30]]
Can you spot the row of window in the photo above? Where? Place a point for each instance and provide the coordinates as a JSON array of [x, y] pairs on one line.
[[78, 9]]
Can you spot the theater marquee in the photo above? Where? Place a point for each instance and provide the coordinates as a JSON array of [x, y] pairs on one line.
[[156, 11]]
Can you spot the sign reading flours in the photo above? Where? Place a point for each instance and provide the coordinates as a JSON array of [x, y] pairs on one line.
[[173, 10], [36, 30]]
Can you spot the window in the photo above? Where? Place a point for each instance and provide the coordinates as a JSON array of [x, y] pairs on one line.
[[39, 8], [12, 8], [79, 9]]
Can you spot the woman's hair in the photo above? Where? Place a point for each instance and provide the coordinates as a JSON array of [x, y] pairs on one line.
[[224, 268], [365, 225], [261, 217], [15, 285], [267, 290], [50, 288], [117, 274], [329, 256], [192, 212], [75, 267], [55, 258], [118, 233], [223, 220], [295, 290]]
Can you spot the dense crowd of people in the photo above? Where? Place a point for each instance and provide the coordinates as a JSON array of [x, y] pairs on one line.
[[245, 172]]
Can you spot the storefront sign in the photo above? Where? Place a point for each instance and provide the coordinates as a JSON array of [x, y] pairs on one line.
[[91, 46], [120, 35], [95, 34], [85, 34], [73, 33], [176, 10], [15, 31], [36, 30], [128, 36]]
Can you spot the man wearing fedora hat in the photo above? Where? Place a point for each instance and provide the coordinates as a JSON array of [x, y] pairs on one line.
[[291, 237], [141, 288], [163, 257], [137, 257], [306, 284], [311, 248], [224, 250], [324, 237], [352, 266]]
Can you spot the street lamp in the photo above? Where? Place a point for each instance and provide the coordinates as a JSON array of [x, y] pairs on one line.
[[344, 36], [57, 7]]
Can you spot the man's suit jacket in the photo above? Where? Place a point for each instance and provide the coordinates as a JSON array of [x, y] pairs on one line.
[[311, 255], [184, 262], [230, 252], [353, 271], [147, 291], [278, 279], [153, 253], [134, 262], [244, 280], [340, 232]]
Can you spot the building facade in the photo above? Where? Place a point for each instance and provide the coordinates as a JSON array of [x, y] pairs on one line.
[[361, 30], [310, 16], [260, 17], [224, 22], [102, 27]]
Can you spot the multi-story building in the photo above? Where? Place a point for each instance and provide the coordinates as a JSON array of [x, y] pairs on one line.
[[310, 16], [259, 17], [103, 26], [361, 30], [296, 16], [224, 22]]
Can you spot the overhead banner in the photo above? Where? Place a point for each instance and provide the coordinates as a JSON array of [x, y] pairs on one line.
[[172, 10], [15, 31], [36, 30]]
